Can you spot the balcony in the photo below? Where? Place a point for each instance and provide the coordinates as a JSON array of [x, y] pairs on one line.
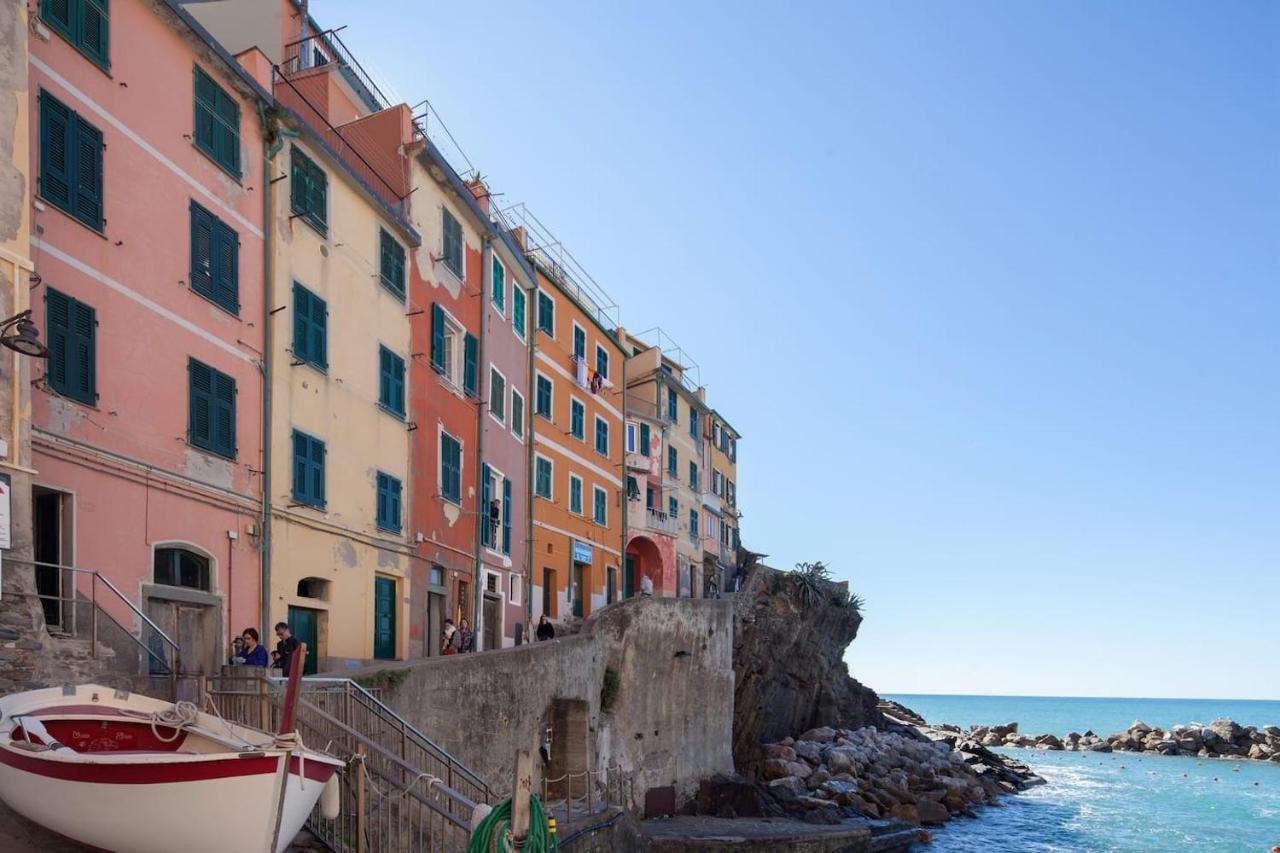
[[711, 501], [659, 522], [637, 462]]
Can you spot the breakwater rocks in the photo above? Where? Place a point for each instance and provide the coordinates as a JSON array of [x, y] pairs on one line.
[[828, 773], [1219, 739]]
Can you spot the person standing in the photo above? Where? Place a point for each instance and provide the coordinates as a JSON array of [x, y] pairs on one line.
[[546, 631], [285, 648], [252, 653], [467, 640], [450, 639]]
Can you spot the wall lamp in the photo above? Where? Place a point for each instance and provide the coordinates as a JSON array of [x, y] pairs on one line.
[[19, 334]]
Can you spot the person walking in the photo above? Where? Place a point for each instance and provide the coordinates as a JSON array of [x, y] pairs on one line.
[[285, 648], [467, 641], [546, 631], [252, 653], [450, 640]]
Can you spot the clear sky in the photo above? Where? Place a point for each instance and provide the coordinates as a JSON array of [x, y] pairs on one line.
[[991, 291]]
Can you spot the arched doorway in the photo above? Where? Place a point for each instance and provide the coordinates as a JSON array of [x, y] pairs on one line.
[[644, 559]]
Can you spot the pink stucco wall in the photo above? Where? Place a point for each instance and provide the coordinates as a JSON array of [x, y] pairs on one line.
[[135, 479]]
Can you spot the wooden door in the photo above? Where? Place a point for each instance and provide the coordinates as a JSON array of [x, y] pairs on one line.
[[305, 625], [492, 622], [435, 622], [384, 618], [628, 576]]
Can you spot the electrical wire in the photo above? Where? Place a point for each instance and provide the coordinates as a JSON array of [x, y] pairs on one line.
[[493, 835]]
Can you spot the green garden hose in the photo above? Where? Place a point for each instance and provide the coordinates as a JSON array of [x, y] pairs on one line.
[[493, 833]]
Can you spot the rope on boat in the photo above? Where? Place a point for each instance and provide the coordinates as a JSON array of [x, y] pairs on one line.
[[177, 716]]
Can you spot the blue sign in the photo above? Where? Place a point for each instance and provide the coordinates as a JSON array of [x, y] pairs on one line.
[[581, 552]]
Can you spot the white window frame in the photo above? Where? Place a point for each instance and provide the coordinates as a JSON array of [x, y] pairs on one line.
[[632, 431], [551, 495], [455, 335], [582, 491], [598, 500], [537, 307], [496, 478], [583, 438], [520, 333], [493, 369], [515, 588], [608, 361], [551, 414], [524, 414], [586, 341], [502, 311]]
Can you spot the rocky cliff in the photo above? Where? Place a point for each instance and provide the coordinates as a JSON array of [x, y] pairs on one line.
[[788, 659]]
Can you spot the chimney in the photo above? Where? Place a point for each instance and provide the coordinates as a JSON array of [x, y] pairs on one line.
[[521, 237], [480, 190]]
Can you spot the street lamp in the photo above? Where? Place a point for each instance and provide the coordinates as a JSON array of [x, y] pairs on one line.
[[19, 334]]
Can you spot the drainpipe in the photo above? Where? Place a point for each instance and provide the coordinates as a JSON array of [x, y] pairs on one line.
[[626, 498], [532, 336], [482, 516], [267, 354]]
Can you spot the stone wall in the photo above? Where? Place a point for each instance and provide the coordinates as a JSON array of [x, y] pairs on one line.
[[669, 723]]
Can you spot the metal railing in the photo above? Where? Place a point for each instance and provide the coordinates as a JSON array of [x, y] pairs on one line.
[[163, 655], [573, 795], [660, 522], [388, 801], [326, 49]]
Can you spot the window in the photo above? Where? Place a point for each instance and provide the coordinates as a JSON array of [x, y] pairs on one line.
[[215, 259], [499, 286], [733, 450], [673, 462], [497, 394], [579, 342], [217, 123], [391, 263], [611, 584], [542, 397], [602, 436], [542, 477], [211, 409], [495, 528], [602, 361], [693, 475], [450, 468], [391, 381], [453, 350], [575, 494], [308, 190], [73, 354], [546, 313], [70, 162], [633, 489], [672, 411], [717, 482], [516, 589], [631, 437], [84, 23], [388, 512], [451, 252], [673, 509], [695, 423], [693, 525], [308, 469], [517, 414], [180, 567], [518, 320], [310, 327], [599, 505], [644, 439], [577, 420]]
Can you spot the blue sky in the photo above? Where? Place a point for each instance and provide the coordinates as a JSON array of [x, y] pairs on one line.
[[990, 290]]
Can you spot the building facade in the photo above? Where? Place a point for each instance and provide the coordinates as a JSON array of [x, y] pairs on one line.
[[147, 192], [720, 502]]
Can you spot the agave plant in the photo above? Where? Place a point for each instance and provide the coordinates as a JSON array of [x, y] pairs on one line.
[[810, 581]]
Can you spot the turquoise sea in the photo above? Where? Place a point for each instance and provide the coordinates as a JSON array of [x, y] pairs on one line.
[[1119, 802]]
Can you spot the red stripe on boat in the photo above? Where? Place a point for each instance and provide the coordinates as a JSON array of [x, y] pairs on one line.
[[144, 773]]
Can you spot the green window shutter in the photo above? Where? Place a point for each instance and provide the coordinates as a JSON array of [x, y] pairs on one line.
[[486, 489], [299, 467], [392, 264], [88, 163], [579, 342], [546, 314], [602, 437], [542, 398], [319, 204], [387, 514], [200, 404], [602, 362], [380, 498], [226, 266], [84, 353], [644, 439], [451, 468], [391, 381], [56, 173], [499, 285], [317, 471], [469, 365], [58, 15], [57, 308], [224, 414], [437, 337], [517, 413], [673, 461], [518, 310], [201, 250], [506, 515], [673, 508], [452, 249], [575, 495], [310, 324], [93, 33], [319, 331], [397, 384], [384, 377], [308, 190], [577, 418], [299, 181], [72, 329]]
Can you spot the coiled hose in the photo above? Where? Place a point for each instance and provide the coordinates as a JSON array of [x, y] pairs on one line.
[[493, 833]]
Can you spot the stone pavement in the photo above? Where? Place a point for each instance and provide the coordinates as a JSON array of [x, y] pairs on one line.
[[682, 833]]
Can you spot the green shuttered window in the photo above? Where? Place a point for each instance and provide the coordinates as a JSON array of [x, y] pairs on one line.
[[546, 314], [644, 439], [693, 476], [575, 494], [542, 397], [388, 511], [517, 413], [215, 259], [391, 381], [211, 404], [70, 162], [506, 516], [577, 420], [518, 320], [486, 503], [673, 461], [469, 367], [450, 468], [84, 23], [499, 286], [602, 437], [452, 248], [391, 267], [308, 469], [308, 190], [672, 411], [602, 361], [217, 123], [310, 327], [579, 342], [599, 505], [542, 478], [73, 357]]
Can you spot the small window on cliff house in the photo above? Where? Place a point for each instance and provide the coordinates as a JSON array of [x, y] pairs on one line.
[[180, 567], [313, 588]]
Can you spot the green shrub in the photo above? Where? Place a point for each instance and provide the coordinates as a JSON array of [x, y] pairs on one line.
[[809, 582]]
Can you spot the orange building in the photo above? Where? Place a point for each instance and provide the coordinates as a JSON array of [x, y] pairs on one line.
[[579, 508]]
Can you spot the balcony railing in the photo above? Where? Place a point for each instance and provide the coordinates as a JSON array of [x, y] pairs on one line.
[[660, 522], [326, 49], [638, 461]]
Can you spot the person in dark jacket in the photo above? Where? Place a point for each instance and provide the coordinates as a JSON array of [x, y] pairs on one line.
[[252, 653], [286, 648], [546, 631], [467, 642]]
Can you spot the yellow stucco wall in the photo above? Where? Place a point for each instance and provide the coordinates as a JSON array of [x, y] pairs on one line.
[[341, 543]]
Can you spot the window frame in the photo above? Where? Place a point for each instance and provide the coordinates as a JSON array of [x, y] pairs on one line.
[[596, 436], [500, 417], [306, 498], [498, 285], [65, 342], [599, 505], [219, 234], [551, 476], [549, 414], [207, 569], [518, 295], [399, 254], [575, 480], [443, 482], [216, 407], [516, 395], [76, 132], [388, 357], [673, 462], [313, 299], [447, 217], [602, 351], [382, 484], [631, 437], [305, 209], [209, 149], [578, 328], [576, 406], [543, 293], [73, 33]]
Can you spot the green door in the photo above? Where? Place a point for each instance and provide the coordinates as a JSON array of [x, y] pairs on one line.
[[628, 576], [304, 623], [384, 618], [578, 592]]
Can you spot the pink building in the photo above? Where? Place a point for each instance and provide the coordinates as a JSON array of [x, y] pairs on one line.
[[147, 194]]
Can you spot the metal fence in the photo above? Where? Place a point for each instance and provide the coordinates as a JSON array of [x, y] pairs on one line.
[[578, 794]]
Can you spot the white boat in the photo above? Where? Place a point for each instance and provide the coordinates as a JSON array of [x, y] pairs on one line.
[[131, 774]]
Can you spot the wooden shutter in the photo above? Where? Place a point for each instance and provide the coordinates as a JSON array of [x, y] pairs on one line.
[[506, 515], [437, 337], [299, 181], [644, 439], [319, 330], [226, 267], [56, 171], [93, 30], [200, 422], [469, 365], [227, 130], [384, 376], [301, 322], [57, 14], [224, 414], [88, 174], [518, 309], [84, 355], [58, 322], [486, 491], [318, 204], [317, 470], [393, 500], [201, 250]]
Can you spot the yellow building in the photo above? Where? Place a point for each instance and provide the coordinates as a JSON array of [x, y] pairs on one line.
[[720, 501]]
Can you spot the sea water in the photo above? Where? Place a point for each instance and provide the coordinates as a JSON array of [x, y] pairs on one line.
[[1117, 802]]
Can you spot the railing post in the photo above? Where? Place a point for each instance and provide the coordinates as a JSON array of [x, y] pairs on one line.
[[264, 707], [93, 615], [361, 805]]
